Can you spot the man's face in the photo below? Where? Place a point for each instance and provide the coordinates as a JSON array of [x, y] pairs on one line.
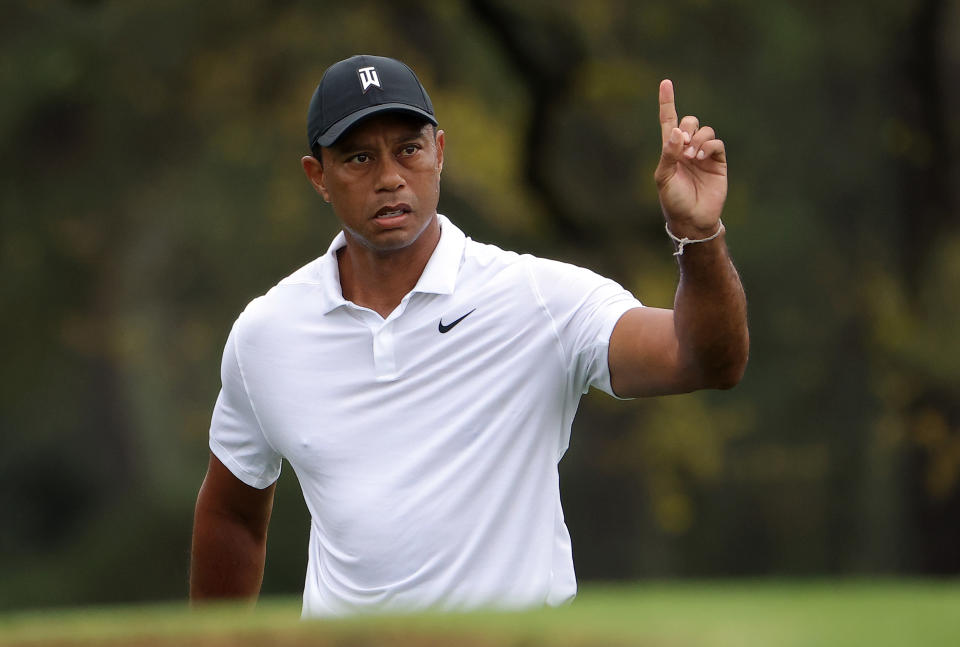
[[382, 179]]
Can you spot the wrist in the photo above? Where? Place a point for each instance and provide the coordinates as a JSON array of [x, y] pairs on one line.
[[695, 235], [692, 230]]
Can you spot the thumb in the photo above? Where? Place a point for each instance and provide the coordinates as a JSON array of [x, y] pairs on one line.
[[669, 157]]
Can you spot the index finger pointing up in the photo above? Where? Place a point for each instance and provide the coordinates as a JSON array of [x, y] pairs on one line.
[[668, 109]]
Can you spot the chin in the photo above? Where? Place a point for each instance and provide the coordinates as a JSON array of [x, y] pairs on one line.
[[392, 240], [386, 241]]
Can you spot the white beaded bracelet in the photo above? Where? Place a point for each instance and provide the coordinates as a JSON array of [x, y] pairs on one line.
[[688, 241]]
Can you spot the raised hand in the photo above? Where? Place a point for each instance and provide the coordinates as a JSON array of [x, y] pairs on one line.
[[692, 174]]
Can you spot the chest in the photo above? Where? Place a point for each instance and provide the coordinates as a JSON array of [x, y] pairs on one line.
[[351, 381]]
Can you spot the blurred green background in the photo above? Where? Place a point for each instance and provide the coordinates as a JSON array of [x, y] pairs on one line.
[[151, 187]]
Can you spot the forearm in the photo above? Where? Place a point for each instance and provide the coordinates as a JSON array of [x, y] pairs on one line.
[[227, 558], [710, 316]]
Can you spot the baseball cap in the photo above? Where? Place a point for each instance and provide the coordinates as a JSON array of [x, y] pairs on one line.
[[361, 86]]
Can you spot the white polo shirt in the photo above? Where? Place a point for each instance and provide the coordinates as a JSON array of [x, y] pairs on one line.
[[426, 443]]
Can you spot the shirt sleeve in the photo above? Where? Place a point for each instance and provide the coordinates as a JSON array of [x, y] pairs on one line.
[[236, 437], [584, 308]]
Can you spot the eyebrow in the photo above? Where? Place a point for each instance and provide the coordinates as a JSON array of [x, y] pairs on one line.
[[352, 144]]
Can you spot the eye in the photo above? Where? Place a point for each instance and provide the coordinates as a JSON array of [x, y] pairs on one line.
[[361, 158], [409, 149]]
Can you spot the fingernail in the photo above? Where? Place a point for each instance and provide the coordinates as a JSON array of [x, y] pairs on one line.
[[689, 152], [674, 137], [701, 155], [686, 137]]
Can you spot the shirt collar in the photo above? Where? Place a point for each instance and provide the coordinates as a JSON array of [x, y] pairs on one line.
[[438, 277]]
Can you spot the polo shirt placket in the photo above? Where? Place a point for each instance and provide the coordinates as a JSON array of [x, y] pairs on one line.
[[382, 337], [439, 277]]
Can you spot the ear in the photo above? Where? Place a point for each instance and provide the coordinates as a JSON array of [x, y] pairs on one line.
[[314, 170], [440, 144]]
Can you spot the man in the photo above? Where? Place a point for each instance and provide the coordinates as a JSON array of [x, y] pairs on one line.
[[422, 385]]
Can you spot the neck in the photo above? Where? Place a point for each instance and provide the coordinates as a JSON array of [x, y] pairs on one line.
[[378, 279]]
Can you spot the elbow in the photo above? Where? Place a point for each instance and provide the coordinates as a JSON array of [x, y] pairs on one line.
[[722, 377], [726, 372], [730, 378], [731, 371]]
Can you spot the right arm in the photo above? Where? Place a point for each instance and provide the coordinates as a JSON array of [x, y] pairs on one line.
[[229, 536]]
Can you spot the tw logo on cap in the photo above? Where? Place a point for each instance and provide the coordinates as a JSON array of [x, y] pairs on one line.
[[369, 78]]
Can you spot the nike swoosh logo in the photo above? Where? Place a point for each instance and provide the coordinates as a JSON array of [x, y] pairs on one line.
[[446, 327]]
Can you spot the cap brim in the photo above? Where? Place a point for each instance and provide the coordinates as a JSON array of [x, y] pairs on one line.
[[335, 131]]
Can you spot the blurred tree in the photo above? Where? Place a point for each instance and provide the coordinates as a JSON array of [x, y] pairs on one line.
[[151, 187]]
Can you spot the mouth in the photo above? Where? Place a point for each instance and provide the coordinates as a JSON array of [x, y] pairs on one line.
[[392, 211]]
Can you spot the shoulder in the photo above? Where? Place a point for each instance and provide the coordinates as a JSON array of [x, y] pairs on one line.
[[571, 292], [490, 266], [283, 301], [543, 274], [555, 279], [487, 255], [479, 255], [555, 272], [308, 274]]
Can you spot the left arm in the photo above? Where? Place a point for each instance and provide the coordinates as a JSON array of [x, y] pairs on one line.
[[703, 342]]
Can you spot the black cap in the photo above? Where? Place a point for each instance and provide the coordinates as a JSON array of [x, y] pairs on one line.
[[358, 87]]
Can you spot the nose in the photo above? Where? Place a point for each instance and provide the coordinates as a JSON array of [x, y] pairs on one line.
[[389, 178]]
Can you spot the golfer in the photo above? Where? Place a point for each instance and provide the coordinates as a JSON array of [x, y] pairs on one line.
[[422, 385]]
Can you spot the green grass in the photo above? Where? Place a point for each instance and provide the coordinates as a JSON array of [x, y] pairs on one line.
[[667, 614]]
